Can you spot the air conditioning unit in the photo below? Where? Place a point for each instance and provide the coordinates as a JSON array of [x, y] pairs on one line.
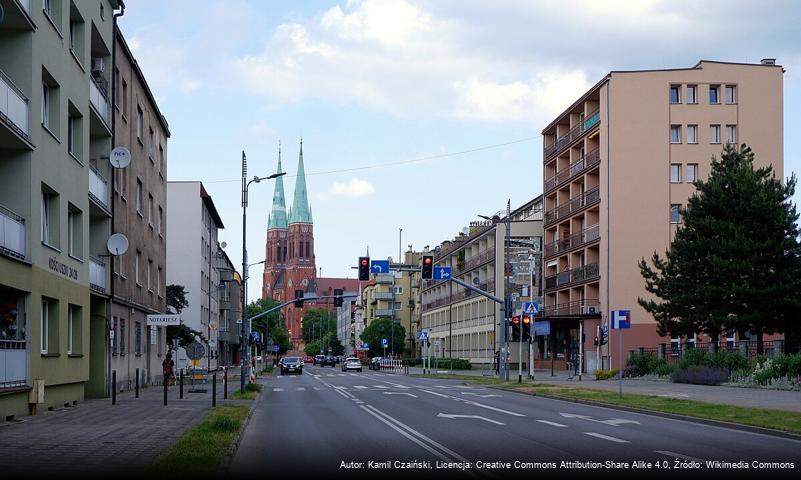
[[590, 309], [97, 65]]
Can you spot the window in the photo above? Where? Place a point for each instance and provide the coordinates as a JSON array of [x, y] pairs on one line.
[[675, 134], [692, 93], [137, 260], [50, 217], [158, 282], [675, 213], [70, 330], [123, 336], [45, 104], [150, 209], [731, 94], [149, 268], [124, 98], [45, 217], [160, 159], [731, 134], [118, 88], [150, 142], [308, 249], [138, 338], [74, 232], [159, 220], [714, 134], [692, 133], [675, 96], [72, 36], [45, 326], [396, 305], [397, 290], [153, 334], [675, 173], [714, 94], [46, 6], [692, 172], [50, 110], [115, 343], [70, 135], [139, 197], [139, 123]]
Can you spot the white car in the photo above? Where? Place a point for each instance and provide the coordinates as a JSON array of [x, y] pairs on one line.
[[351, 363]]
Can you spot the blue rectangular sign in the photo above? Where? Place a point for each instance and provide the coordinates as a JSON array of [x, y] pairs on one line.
[[621, 319], [442, 273], [379, 266], [542, 328]]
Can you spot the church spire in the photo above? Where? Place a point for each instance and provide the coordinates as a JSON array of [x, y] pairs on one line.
[[278, 213], [300, 212]]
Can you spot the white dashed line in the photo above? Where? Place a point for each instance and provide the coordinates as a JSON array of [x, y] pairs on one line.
[[278, 389], [606, 437], [553, 424]]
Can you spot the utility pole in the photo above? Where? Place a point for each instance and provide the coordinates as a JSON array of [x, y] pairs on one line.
[[504, 370]]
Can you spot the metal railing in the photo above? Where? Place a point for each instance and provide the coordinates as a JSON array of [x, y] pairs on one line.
[[14, 105], [577, 131], [573, 205], [673, 351], [98, 186], [384, 296], [579, 274], [588, 306], [97, 274], [474, 261], [12, 233], [13, 363], [576, 168], [99, 100], [384, 312], [384, 279], [576, 240]]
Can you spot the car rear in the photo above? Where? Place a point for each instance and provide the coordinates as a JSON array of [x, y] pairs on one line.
[[352, 363]]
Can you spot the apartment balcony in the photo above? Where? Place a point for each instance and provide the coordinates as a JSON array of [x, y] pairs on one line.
[[384, 312], [475, 261], [98, 188], [574, 134], [17, 15], [579, 167], [14, 359], [12, 234], [577, 275], [580, 239], [98, 98], [384, 296], [97, 275], [574, 205], [14, 116], [578, 307], [385, 279]]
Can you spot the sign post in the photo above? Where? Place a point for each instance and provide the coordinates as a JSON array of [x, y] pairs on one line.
[[530, 309], [621, 319]]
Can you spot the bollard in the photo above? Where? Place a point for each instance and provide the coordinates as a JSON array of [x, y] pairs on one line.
[[225, 382], [165, 393], [181, 385], [113, 387], [137, 383], [214, 390]]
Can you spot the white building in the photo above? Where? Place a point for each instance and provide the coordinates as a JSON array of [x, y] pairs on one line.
[[193, 223]]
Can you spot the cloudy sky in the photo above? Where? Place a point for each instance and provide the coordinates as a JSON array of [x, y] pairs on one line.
[[414, 114]]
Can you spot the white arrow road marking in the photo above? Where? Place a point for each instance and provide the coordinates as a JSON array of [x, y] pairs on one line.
[[677, 455], [436, 393], [616, 422], [490, 395], [446, 415], [278, 389], [383, 387], [553, 424], [606, 437], [470, 402], [301, 389], [360, 387], [401, 393]]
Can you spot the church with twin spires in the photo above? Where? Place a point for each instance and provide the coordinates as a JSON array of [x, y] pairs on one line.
[[289, 254]]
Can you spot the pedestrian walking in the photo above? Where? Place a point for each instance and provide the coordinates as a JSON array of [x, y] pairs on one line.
[[168, 369]]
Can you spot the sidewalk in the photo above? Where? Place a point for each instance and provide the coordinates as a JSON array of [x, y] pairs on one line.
[[96, 438], [738, 396]]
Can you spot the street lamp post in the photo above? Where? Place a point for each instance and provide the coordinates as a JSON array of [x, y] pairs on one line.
[[503, 367], [245, 330]]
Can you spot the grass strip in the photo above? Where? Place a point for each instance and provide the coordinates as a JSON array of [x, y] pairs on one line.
[[202, 449], [252, 391]]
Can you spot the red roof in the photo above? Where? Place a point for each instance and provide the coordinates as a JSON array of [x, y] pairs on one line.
[[325, 285]]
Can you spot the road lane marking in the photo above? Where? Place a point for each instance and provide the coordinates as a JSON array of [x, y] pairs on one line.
[[382, 387], [478, 417], [301, 389], [606, 437], [400, 393], [436, 393], [615, 422], [677, 455], [360, 387], [278, 389], [470, 402], [410, 437], [489, 395], [553, 424]]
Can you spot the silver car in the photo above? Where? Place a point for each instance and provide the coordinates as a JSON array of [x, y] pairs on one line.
[[352, 363]]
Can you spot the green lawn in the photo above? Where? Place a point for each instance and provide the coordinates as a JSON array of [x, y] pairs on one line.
[[203, 448], [252, 391]]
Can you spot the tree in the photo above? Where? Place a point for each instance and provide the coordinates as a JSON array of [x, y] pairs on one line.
[[176, 299], [380, 328], [318, 323], [312, 349], [271, 325], [735, 262]]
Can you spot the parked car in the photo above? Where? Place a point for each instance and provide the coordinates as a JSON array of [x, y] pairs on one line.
[[291, 365], [318, 359], [329, 360], [351, 363], [375, 363], [308, 359]]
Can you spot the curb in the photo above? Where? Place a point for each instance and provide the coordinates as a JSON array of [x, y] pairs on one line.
[[673, 416], [224, 470]]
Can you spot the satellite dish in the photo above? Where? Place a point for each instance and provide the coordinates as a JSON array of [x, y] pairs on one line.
[[223, 244], [120, 157], [117, 244], [465, 231]]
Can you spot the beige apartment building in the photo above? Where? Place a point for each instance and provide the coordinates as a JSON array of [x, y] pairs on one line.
[[463, 324], [618, 169], [139, 205]]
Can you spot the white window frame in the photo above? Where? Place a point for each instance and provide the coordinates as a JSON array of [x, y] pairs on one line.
[[730, 89], [714, 134], [692, 167], [45, 105], [692, 94], [397, 290], [731, 134], [674, 139], [136, 267], [675, 168], [46, 218], [71, 233], [45, 323], [692, 137], [70, 329], [70, 135]]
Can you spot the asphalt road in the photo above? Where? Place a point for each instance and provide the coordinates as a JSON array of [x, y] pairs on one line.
[[329, 422]]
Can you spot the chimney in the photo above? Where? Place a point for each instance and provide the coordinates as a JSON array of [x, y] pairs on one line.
[[768, 61]]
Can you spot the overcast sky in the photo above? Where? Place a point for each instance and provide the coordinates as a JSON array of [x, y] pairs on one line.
[[463, 86]]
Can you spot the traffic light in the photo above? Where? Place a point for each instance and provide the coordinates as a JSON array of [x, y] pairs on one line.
[[526, 327], [515, 328], [337, 297], [595, 340], [364, 269], [299, 298], [428, 267]]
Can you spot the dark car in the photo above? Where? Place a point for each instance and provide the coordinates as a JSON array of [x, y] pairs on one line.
[[375, 363], [291, 365], [329, 360], [318, 359]]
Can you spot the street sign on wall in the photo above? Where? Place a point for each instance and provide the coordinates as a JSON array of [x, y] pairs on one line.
[[162, 320]]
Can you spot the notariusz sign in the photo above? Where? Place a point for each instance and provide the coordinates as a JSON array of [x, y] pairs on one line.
[[162, 320]]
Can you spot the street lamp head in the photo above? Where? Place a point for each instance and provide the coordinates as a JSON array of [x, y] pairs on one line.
[[256, 179], [276, 175]]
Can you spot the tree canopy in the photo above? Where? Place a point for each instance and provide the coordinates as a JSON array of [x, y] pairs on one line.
[[320, 326], [380, 328], [735, 261], [176, 299], [270, 325]]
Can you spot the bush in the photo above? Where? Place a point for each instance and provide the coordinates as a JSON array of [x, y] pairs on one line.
[[632, 371], [643, 363], [725, 359], [253, 387], [606, 374], [451, 363], [694, 357], [665, 369], [701, 375]]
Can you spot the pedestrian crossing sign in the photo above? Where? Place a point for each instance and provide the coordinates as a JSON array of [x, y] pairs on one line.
[[423, 335]]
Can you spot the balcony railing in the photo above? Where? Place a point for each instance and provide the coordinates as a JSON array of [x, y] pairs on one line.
[[576, 240], [98, 186], [384, 296], [13, 363], [578, 307], [385, 279], [99, 101], [576, 168], [97, 274], [580, 274], [384, 312], [476, 260], [573, 205], [12, 233], [13, 105], [562, 142]]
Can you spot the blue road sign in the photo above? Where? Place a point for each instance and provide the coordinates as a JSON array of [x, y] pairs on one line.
[[531, 308], [542, 328], [423, 335], [384, 342], [275, 348], [379, 266], [365, 345], [442, 273], [621, 319]]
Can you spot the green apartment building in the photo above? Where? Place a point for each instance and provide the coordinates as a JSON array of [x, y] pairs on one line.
[[55, 216]]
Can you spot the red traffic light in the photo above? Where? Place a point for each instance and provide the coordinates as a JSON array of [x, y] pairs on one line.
[[516, 320], [428, 260], [526, 320], [364, 262]]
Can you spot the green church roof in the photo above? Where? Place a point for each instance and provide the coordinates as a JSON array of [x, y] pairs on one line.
[[300, 212], [277, 217]]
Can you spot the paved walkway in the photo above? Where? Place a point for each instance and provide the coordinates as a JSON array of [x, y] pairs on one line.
[[98, 438], [739, 396]]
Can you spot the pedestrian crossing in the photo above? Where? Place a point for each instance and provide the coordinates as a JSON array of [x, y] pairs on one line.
[[344, 387]]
